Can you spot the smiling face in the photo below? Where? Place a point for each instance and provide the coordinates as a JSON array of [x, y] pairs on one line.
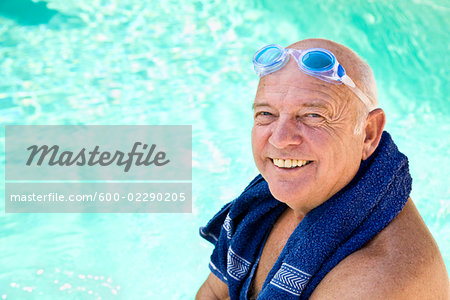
[[303, 137]]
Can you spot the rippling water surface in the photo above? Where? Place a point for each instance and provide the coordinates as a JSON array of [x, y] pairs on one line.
[[189, 62]]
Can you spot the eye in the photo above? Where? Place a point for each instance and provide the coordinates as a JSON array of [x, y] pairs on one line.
[[262, 114], [263, 117], [312, 118], [313, 115]]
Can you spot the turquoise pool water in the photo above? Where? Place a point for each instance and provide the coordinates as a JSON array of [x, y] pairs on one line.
[[189, 62]]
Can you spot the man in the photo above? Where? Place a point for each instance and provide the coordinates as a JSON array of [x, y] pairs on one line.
[[331, 216]]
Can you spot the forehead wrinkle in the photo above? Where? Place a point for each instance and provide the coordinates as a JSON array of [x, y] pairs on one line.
[[313, 103], [309, 103], [326, 89], [324, 99]]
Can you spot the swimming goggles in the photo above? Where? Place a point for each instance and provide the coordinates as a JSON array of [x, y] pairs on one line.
[[316, 62]]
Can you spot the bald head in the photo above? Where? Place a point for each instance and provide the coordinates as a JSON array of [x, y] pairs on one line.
[[357, 69]]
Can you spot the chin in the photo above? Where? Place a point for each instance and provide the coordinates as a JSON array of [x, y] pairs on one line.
[[298, 196], [284, 194]]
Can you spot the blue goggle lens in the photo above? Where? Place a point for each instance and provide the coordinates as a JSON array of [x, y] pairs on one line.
[[268, 55], [317, 60]]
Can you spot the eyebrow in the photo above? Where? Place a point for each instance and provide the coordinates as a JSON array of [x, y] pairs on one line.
[[316, 104]]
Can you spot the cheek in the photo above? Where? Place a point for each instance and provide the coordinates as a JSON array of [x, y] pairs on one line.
[[258, 136], [256, 142], [259, 143], [332, 150], [348, 154]]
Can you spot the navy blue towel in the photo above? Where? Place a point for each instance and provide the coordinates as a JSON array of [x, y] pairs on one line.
[[325, 236]]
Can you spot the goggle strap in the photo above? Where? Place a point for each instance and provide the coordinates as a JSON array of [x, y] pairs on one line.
[[349, 82], [363, 98]]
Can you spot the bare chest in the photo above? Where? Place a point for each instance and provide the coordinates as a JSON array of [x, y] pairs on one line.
[[278, 236]]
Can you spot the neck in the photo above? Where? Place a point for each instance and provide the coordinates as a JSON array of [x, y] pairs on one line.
[[296, 216]]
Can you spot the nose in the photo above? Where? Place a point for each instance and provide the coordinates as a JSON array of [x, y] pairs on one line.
[[286, 132]]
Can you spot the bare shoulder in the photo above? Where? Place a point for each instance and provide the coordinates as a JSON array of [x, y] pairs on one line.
[[213, 289], [402, 262]]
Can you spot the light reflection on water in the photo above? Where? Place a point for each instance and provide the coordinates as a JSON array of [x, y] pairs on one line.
[[171, 62]]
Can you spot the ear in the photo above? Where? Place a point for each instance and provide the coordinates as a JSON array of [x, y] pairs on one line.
[[372, 131]]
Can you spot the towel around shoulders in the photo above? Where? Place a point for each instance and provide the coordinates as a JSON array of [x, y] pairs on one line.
[[326, 235]]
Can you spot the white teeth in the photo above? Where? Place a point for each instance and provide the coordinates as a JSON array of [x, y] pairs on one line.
[[278, 162], [289, 163]]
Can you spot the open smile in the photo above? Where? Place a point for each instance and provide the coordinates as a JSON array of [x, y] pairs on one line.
[[290, 163]]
